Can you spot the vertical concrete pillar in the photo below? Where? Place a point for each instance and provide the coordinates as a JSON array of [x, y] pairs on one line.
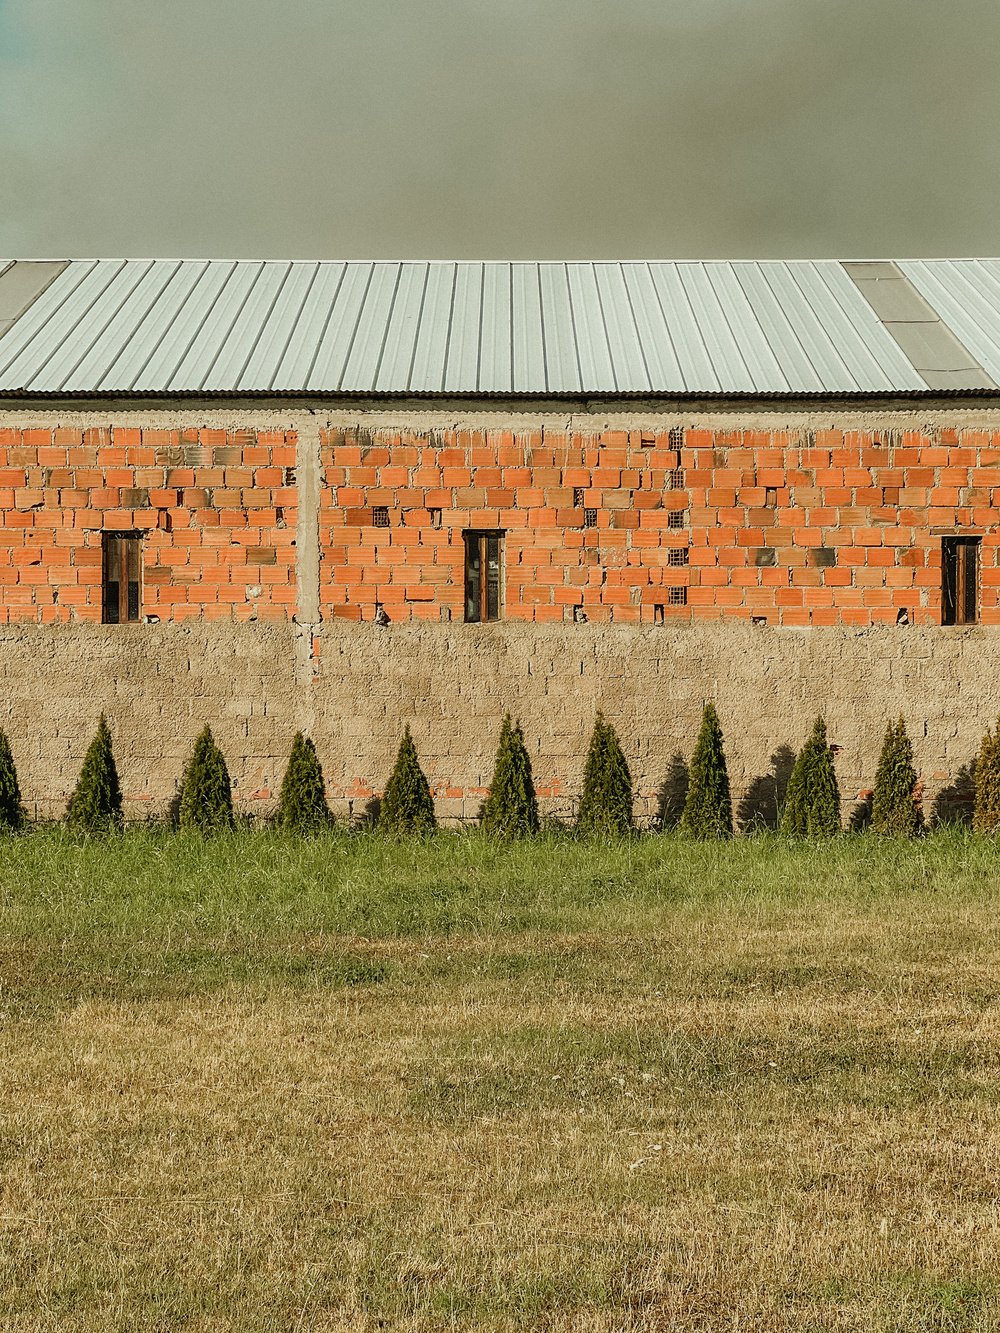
[[307, 529]]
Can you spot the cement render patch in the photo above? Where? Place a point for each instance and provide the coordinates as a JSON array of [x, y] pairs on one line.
[[354, 687]]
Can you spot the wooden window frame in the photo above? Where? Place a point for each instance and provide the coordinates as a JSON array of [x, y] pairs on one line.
[[121, 596], [478, 578], [960, 565]]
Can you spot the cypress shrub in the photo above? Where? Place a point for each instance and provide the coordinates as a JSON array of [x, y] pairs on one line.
[[986, 817], [606, 803], [11, 811], [96, 803], [894, 811], [812, 799], [708, 810], [407, 806], [302, 807], [511, 810], [206, 797]]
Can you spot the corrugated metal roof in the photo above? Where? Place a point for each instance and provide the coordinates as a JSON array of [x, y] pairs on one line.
[[196, 326]]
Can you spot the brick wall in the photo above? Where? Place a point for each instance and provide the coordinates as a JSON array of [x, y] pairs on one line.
[[217, 511], [792, 527], [785, 526]]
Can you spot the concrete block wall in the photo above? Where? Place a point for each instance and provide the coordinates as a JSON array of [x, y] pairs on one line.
[[354, 687]]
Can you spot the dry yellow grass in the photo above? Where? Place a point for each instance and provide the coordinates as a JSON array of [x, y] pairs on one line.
[[752, 1124]]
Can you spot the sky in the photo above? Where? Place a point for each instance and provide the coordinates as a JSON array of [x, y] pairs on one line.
[[499, 129]]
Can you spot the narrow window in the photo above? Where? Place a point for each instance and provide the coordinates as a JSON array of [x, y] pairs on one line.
[[678, 555], [380, 516], [658, 613], [960, 580], [590, 518], [675, 518], [435, 517], [122, 576], [677, 479], [483, 552], [677, 596], [770, 497], [577, 497], [676, 437]]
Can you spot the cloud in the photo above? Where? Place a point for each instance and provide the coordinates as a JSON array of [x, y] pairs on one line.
[[468, 128]]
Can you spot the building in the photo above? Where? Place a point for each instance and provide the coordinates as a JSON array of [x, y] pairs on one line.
[[346, 496]]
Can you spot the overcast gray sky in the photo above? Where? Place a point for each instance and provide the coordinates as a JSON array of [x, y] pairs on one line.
[[499, 129]]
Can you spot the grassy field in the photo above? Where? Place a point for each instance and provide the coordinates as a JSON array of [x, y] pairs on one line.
[[258, 1083]]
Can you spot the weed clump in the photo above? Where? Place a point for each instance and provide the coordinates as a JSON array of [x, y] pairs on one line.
[[206, 800], [302, 805], [812, 799], [96, 803], [407, 806], [895, 811], [708, 810], [12, 817], [986, 816], [606, 803], [511, 810]]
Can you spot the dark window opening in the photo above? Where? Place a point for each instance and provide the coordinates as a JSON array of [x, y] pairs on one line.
[[590, 518], [577, 497], [676, 437], [122, 575], [657, 613], [960, 580], [675, 518], [380, 516], [678, 555], [677, 479], [677, 596], [483, 553]]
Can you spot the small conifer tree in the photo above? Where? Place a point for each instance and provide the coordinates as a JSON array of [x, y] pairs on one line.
[[511, 810], [708, 810], [407, 806], [11, 811], [606, 803], [986, 818], [206, 797], [302, 807], [894, 809], [96, 803], [812, 799]]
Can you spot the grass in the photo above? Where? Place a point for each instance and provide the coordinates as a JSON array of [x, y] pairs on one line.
[[258, 1082]]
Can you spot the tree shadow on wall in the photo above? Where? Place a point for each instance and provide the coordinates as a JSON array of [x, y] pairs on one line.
[[956, 803], [861, 815], [672, 794], [764, 799]]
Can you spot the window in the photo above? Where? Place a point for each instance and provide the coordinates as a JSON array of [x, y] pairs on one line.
[[483, 553], [677, 596], [770, 497], [122, 577], [960, 580], [677, 479], [678, 555], [380, 516], [675, 518], [676, 437], [590, 518], [577, 497]]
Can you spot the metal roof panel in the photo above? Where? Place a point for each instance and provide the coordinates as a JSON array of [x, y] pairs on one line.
[[278, 328], [193, 326], [434, 330]]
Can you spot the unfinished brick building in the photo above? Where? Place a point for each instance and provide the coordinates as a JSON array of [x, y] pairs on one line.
[[598, 457]]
